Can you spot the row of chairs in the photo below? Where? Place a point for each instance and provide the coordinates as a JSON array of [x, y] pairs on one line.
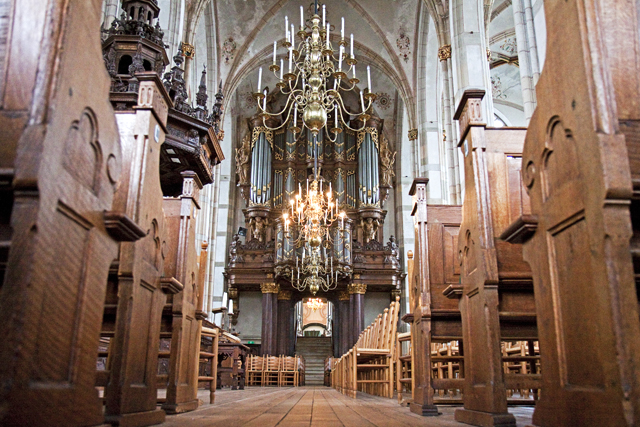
[[518, 358], [369, 365], [280, 371]]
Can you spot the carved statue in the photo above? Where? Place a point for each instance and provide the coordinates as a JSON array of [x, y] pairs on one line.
[[259, 228], [242, 160], [387, 158], [233, 248], [370, 227]]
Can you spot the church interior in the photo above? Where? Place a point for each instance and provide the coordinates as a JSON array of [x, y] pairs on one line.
[[320, 213]]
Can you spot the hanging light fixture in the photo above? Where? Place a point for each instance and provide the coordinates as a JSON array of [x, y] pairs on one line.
[[313, 65], [315, 304], [308, 224]]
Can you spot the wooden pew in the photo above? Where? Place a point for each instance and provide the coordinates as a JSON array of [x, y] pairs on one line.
[[581, 170], [434, 274], [60, 162], [182, 315], [496, 292]]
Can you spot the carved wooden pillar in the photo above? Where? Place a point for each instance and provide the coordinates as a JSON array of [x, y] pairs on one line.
[[356, 293], [345, 322], [60, 165], [285, 324], [421, 306], [181, 263], [130, 394], [485, 398], [269, 316]]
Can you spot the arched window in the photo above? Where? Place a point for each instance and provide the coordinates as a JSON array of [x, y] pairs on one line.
[[147, 65]]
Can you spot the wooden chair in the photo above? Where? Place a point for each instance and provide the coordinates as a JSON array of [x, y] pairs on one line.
[[372, 360], [209, 360], [255, 368], [271, 373], [288, 375], [404, 374]]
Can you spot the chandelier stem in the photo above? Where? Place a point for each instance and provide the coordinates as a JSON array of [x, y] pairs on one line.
[[315, 156]]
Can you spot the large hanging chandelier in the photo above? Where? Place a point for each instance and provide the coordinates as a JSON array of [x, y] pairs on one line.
[[316, 78], [314, 85]]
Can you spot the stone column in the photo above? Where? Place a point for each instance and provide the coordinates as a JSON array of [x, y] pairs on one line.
[[527, 55], [269, 316], [110, 13], [470, 51], [356, 297], [453, 178], [285, 324], [344, 317]]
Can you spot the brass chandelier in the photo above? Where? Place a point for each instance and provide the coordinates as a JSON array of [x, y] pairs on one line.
[[313, 65], [310, 219], [313, 85]]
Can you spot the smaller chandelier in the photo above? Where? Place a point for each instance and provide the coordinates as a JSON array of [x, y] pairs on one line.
[[311, 219], [315, 304]]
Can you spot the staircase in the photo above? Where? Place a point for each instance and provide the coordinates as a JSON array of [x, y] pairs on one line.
[[314, 351]]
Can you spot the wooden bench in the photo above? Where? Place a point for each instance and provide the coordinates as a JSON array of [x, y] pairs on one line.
[[496, 290], [182, 314], [60, 157]]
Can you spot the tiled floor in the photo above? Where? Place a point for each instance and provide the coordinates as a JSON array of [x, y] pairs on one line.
[[311, 406]]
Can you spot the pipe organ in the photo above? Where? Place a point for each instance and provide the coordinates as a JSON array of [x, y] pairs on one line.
[[272, 166]]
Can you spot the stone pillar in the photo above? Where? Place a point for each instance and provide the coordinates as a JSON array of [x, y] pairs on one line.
[[470, 52], [285, 324], [269, 316], [356, 297], [344, 317], [527, 55], [110, 13], [453, 176]]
